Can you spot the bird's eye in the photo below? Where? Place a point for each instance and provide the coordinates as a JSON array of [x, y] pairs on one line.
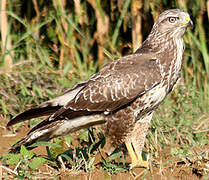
[[172, 19]]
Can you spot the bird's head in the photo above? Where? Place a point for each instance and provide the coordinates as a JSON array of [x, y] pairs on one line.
[[173, 21], [169, 27]]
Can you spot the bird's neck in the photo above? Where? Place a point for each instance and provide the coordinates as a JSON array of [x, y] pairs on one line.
[[157, 42], [163, 44]]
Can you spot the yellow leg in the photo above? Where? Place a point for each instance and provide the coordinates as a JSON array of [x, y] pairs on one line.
[[136, 159]]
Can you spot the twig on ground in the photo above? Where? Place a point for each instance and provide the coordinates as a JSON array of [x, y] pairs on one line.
[[8, 169], [15, 169]]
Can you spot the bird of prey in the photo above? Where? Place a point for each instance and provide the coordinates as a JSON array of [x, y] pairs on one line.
[[124, 94]]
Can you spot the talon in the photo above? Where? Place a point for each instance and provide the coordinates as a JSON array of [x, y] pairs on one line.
[[136, 159]]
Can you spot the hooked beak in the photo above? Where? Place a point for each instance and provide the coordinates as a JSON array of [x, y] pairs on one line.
[[190, 24]]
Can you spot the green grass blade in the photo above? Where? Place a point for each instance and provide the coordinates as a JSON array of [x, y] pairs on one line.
[[119, 22]]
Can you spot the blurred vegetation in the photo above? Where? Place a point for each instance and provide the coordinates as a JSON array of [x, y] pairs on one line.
[[77, 37], [48, 46]]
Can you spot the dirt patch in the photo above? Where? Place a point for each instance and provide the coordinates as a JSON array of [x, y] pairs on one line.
[[176, 169], [7, 137]]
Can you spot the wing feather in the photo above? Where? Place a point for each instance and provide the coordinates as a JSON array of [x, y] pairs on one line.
[[49, 107], [116, 85]]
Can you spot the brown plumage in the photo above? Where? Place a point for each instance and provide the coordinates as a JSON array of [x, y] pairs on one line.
[[124, 94]]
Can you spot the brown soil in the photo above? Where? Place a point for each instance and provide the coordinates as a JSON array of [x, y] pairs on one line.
[[175, 170]]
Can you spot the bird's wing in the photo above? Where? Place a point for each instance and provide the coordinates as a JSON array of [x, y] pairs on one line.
[[116, 85]]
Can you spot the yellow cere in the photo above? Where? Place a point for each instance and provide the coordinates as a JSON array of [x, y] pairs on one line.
[[187, 18]]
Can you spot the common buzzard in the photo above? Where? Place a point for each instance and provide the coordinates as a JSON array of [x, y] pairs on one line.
[[124, 94]]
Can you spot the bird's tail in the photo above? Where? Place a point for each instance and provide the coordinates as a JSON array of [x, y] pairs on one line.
[[47, 130], [47, 108]]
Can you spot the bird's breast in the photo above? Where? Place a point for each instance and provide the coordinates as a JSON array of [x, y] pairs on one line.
[[150, 100]]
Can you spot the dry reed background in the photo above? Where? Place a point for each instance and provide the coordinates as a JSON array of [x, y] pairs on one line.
[[92, 30]]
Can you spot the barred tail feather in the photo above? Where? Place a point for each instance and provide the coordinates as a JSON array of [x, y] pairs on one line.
[[33, 113], [48, 107], [53, 129]]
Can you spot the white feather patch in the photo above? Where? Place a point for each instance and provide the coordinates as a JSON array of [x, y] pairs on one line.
[[63, 99]]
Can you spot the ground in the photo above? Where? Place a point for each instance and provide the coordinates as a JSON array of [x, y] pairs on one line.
[[164, 167]]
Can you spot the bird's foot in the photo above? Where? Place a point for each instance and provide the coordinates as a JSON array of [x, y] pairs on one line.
[[136, 159], [139, 162]]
